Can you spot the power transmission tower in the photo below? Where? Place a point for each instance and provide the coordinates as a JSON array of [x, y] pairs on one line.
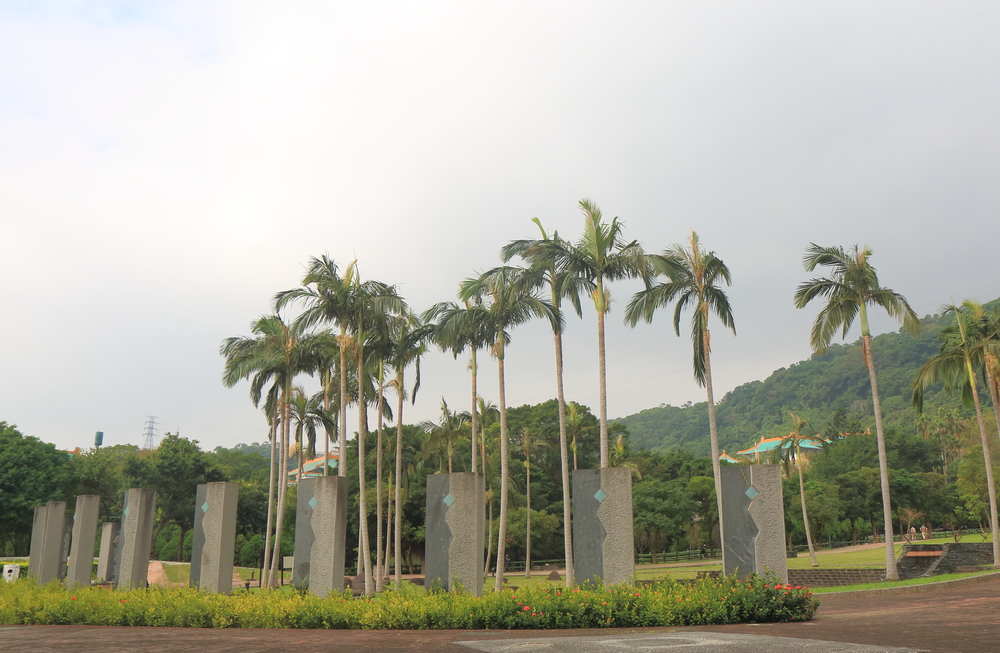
[[149, 433]]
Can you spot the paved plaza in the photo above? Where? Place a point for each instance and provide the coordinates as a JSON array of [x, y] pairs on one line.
[[950, 618]]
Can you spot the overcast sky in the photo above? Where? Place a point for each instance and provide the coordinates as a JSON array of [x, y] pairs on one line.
[[165, 168]]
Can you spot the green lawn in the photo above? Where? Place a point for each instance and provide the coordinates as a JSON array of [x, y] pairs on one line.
[[181, 573]]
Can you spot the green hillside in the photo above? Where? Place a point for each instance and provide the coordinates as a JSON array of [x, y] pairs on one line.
[[816, 389]]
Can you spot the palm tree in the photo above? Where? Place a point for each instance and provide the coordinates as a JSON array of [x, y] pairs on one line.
[[328, 298], [850, 289], [603, 255], [528, 447], [307, 415], [694, 277], [548, 256], [955, 364], [459, 327], [794, 441], [510, 302], [408, 337], [373, 303], [440, 442], [575, 428], [278, 353]]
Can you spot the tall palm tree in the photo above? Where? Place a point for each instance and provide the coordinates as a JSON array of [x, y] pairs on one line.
[[251, 357], [528, 447], [409, 335], [957, 364], [373, 304], [850, 289], [328, 298], [602, 255], [510, 302], [548, 256], [793, 441], [693, 278], [279, 353]]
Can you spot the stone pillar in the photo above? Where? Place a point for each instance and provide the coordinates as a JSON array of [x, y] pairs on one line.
[[455, 531], [214, 538], [135, 538], [320, 534], [753, 512], [81, 553], [109, 547], [603, 546], [49, 542]]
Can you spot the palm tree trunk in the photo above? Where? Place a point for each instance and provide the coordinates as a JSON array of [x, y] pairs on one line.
[[988, 462], [472, 415], [502, 529], [805, 515], [342, 439], [378, 489], [489, 542], [298, 443], [564, 462], [527, 527], [713, 430], [399, 477], [603, 379], [271, 486], [326, 409], [388, 536], [282, 487], [883, 466], [364, 554], [991, 380]]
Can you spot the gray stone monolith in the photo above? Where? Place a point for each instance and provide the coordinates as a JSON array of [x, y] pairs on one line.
[[49, 542], [320, 534], [214, 539], [455, 531], [603, 546], [753, 518], [135, 538], [109, 546], [81, 553]]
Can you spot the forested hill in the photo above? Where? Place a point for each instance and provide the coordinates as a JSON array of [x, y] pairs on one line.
[[814, 389]]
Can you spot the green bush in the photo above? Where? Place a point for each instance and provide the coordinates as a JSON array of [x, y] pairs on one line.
[[664, 603]]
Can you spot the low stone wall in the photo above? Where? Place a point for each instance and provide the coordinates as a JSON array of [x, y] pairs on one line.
[[823, 577], [919, 560], [834, 577]]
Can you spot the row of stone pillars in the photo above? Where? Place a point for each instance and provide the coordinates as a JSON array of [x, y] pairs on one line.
[[752, 526], [62, 547]]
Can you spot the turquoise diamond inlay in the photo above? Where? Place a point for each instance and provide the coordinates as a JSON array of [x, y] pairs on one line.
[[448, 500], [751, 492], [204, 507], [600, 495], [313, 503], [125, 512]]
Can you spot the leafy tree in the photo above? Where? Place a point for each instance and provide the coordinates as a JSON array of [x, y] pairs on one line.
[[661, 510], [440, 442], [850, 289], [32, 473], [174, 469], [694, 278]]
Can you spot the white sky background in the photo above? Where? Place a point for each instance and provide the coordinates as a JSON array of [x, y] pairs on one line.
[[166, 168]]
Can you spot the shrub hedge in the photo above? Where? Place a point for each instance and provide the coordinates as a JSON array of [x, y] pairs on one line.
[[665, 602]]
